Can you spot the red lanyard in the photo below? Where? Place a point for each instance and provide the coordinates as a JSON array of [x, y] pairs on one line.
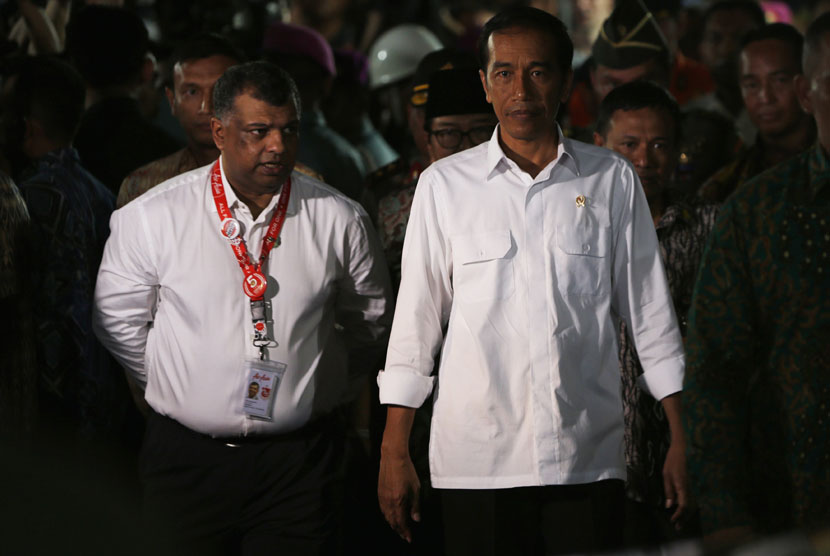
[[254, 283]]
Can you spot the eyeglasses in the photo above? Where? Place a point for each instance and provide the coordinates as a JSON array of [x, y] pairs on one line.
[[452, 138]]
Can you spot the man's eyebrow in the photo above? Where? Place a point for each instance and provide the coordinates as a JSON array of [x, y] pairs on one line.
[[502, 65], [783, 73]]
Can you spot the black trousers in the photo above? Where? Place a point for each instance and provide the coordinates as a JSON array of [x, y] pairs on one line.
[[275, 495], [565, 519]]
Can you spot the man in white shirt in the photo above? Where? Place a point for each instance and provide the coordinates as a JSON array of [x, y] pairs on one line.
[[520, 255], [223, 471]]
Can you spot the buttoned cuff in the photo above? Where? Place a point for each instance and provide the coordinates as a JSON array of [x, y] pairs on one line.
[[664, 379], [403, 388]]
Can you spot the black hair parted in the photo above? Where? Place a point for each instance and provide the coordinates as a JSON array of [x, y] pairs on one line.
[[636, 96], [780, 32], [262, 80], [528, 18]]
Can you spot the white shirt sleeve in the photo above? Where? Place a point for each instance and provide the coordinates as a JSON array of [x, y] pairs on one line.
[[363, 302], [424, 302], [126, 291], [641, 293]]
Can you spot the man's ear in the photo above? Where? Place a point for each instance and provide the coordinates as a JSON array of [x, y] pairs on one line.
[[483, 77], [218, 131], [148, 68], [598, 140], [567, 88], [171, 99], [802, 91]]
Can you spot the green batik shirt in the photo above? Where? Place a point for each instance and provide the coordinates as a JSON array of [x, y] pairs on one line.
[[757, 389]]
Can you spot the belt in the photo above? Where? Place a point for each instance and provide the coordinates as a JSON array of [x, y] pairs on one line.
[[315, 426]]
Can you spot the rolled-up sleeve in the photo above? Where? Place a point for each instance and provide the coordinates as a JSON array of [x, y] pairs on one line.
[[126, 291], [424, 302], [641, 293]]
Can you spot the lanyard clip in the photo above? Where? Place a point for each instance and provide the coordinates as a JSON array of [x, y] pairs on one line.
[[258, 313]]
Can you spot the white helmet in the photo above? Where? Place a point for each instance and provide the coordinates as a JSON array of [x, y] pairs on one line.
[[396, 53]]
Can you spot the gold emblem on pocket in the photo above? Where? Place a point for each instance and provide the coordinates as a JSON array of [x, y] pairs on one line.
[[580, 201]]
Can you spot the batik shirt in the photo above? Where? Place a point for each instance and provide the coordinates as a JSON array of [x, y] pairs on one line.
[[18, 373], [757, 393], [682, 233], [70, 212], [150, 175], [748, 164]]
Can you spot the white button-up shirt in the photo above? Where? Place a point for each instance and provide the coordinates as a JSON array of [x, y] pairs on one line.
[[528, 278], [170, 307]]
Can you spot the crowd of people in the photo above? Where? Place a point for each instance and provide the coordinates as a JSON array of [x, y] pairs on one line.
[[351, 277]]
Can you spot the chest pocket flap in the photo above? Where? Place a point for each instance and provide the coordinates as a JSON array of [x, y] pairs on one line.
[[480, 247], [589, 241]]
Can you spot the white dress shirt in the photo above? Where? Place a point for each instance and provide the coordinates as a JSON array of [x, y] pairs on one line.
[[170, 307], [527, 281]]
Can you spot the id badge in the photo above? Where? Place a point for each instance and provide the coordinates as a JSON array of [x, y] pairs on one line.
[[264, 379]]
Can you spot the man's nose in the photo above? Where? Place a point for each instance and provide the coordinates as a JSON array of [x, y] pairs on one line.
[[275, 142], [642, 157], [522, 86], [765, 92], [206, 106]]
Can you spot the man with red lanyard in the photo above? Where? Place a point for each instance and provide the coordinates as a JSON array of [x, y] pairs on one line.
[[233, 274]]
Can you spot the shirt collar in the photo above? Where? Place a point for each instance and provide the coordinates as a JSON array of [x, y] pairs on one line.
[[59, 156], [564, 156], [819, 169], [233, 200]]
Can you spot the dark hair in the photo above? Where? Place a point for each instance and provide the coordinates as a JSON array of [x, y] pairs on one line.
[[636, 96], [749, 7], [262, 80], [107, 45], [205, 46], [779, 32], [50, 91], [812, 39], [528, 18]]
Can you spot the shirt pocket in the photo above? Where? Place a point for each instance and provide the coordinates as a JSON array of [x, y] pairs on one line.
[[582, 260], [483, 265]]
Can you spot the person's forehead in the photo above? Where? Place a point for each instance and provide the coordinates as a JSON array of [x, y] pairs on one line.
[[635, 121], [524, 38], [210, 66], [247, 105], [769, 51]]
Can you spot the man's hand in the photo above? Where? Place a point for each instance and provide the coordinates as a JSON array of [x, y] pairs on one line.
[[675, 481], [398, 494]]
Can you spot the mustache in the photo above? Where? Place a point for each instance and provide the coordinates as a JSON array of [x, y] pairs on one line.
[[524, 107]]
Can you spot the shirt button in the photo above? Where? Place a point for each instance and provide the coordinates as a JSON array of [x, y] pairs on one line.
[[586, 248]]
